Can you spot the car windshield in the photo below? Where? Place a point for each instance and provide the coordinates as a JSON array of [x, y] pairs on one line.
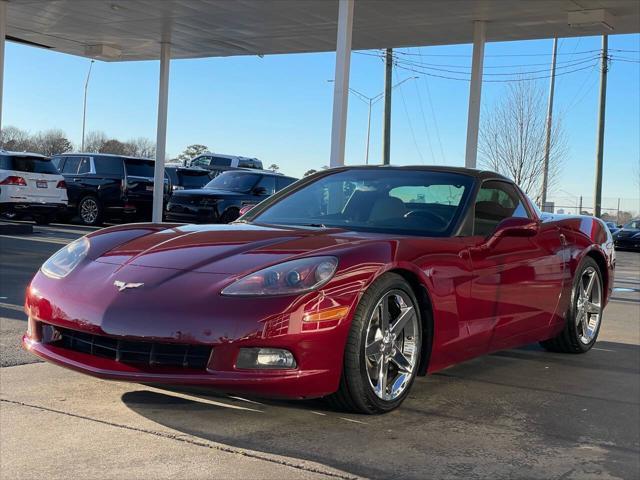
[[192, 178], [139, 168], [633, 225], [24, 163], [234, 182], [412, 202]]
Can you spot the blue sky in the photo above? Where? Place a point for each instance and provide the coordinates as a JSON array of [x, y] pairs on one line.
[[278, 108]]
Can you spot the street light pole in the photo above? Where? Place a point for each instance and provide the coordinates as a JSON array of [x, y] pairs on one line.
[[371, 101], [84, 106], [366, 156]]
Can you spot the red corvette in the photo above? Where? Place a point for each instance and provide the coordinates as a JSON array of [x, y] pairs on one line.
[[346, 285]]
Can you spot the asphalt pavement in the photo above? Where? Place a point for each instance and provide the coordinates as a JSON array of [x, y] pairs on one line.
[[521, 413]]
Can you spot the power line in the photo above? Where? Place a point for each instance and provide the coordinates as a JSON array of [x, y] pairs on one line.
[[424, 122], [406, 112], [433, 114], [523, 78]]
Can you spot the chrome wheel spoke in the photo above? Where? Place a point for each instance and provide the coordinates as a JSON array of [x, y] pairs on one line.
[[381, 387], [591, 307], [588, 305], [373, 348], [392, 345], [589, 287], [403, 364], [384, 315], [405, 315]]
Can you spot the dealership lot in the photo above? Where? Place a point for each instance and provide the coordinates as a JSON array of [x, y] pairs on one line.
[[518, 413]]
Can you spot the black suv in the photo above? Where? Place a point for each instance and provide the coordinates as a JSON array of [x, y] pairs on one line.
[[103, 186], [184, 178], [222, 198]]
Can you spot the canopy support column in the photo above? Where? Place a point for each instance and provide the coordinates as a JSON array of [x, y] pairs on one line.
[[341, 82], [475, 89], [161, 135], [3, 33]]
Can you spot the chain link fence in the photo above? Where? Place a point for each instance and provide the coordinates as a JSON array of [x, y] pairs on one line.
[[614, 209]]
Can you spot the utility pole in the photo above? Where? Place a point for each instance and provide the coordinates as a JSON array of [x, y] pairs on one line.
[[547, 145], [597, 207], [386, 137], [84, 106]]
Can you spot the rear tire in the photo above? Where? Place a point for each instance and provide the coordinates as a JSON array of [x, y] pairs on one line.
[[380, 361], [90, 211], [43, 219], [585, 312]]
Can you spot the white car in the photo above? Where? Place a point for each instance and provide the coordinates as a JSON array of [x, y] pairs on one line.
[[30, 185]]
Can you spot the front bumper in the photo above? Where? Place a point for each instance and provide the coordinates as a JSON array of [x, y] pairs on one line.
[[628, 243], [274, 384], [33, 208], [177, 310]]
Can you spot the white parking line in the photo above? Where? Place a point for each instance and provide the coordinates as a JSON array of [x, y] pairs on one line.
[[11, 306], [58, 241], [205, 400]]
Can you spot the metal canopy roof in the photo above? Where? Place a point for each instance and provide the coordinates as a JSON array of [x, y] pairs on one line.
[[133, 29]]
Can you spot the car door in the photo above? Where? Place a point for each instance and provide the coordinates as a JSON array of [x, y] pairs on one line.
[[74, 169], [517, 281]]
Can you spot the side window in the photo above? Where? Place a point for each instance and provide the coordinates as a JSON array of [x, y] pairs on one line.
[[108, 166], [282, 182], [269, 183], [71, 165], [84, 166], [221, 161], [58, 162], [201, 161], [496, 201]]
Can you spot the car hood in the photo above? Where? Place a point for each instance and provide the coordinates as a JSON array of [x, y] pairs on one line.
[[227, 249], [627, 232]]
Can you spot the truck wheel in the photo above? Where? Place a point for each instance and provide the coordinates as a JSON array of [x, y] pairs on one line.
[[90, 211]]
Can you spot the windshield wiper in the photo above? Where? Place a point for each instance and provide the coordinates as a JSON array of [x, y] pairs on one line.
[[314, 225]]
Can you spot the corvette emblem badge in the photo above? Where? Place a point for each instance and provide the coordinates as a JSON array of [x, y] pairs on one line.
[[122, 286]]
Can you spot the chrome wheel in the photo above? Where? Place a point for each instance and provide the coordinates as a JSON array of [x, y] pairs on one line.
[[589, 305], [89, 210], [392, 345]]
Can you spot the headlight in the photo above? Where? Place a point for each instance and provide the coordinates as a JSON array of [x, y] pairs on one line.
[[61, 263], [296, 276]]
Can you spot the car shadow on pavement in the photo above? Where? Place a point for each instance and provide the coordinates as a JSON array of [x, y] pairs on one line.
[[522, 412]]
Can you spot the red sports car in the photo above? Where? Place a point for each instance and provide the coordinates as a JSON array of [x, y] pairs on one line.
[[346, 285]]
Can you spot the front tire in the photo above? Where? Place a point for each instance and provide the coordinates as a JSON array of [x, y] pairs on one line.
[[383, 349], [585, 312]]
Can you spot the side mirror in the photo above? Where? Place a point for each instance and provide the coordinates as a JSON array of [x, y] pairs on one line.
[[260, 191], [513, 227]]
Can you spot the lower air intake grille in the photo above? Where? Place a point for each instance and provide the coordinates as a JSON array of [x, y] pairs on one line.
[[152, 354]]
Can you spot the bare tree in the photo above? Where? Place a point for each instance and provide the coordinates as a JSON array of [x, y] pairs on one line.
[[51, 142], [93, 141], [274, 167], [15, 139], [114, 146], [141, 147], [512, 138]]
